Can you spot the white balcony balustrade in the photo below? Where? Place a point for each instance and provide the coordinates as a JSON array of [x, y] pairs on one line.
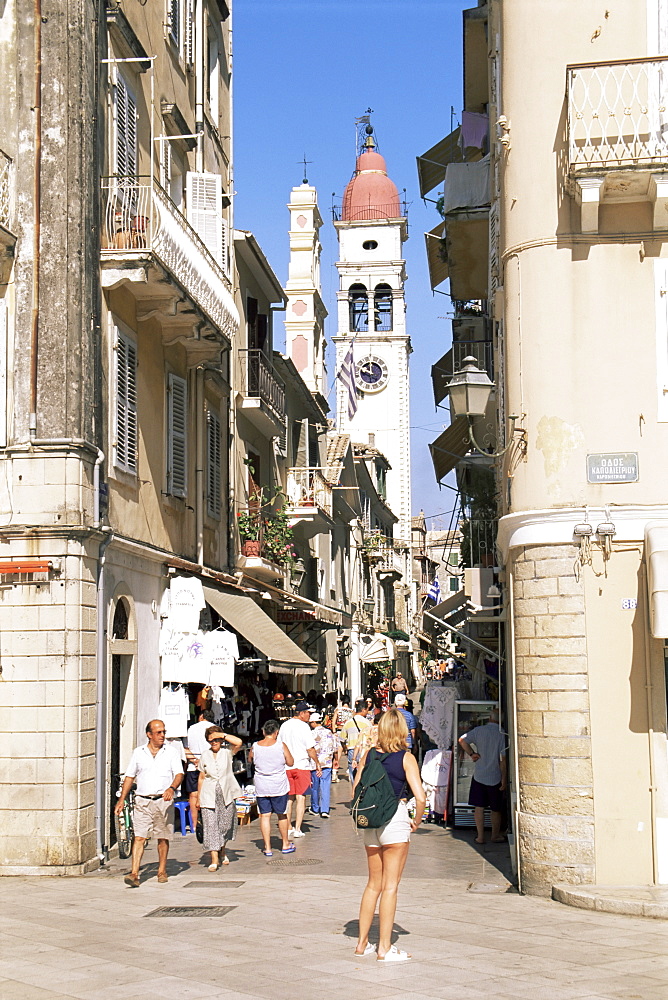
[[617, 114], [5, 190], [140, 221], [310, 499]]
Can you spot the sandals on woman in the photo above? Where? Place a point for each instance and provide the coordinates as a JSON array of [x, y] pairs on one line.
[[395, 955]]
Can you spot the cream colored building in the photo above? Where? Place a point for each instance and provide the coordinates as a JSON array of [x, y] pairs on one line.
[[572, 270]]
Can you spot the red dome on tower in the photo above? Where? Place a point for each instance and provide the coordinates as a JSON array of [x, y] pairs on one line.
[[370, 194]]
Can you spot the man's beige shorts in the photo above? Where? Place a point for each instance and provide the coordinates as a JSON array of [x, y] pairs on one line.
[[153, 816]]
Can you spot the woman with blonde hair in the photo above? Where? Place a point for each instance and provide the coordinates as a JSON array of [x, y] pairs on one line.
[[387, 846]]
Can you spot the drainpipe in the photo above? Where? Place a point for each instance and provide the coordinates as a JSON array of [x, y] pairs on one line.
[[96, 488], [199, 464], [101, 705], [37, 192]]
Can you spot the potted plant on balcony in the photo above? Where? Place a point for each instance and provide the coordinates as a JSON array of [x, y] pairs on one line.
[[250, 524], [277, 538]]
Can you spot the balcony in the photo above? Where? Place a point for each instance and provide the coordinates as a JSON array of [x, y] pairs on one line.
[[150, 247], [618, 135], [309, 501], [7, 238], [263, 393], [453, 360], [459, 247]]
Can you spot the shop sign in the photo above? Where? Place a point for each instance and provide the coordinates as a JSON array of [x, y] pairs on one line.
[[288, 617], [619, 467]]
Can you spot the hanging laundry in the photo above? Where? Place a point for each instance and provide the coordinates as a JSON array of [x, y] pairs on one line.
[[475, 130], [222, 649], [186, 600], [174, 711]]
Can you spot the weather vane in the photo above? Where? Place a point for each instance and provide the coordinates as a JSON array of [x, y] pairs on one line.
[[306, 163]]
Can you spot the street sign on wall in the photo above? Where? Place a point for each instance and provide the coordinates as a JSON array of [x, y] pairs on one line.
[[620, 467]]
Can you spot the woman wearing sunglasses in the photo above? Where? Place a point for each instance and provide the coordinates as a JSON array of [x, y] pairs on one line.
[[217, 790]]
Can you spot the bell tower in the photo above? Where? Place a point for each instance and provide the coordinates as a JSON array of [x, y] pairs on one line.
[[371, 228]]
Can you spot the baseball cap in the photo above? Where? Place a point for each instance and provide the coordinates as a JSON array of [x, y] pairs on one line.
[[302, 706], [315, 717], [400, 699]]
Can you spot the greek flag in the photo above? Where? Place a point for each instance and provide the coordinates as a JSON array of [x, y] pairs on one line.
[[434, 592], [346, 375]]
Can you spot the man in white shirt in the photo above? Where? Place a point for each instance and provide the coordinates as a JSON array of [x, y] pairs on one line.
[[158, 771], [297, 736], [197, 744]]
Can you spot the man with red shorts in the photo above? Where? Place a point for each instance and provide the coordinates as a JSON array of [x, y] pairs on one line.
[[298, 737]]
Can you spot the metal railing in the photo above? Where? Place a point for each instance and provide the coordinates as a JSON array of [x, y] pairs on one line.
[[370, 212], [5, 190], [307, 487], [259, 381], [139, 216], [481, 350], [618, 113], [478, 541]]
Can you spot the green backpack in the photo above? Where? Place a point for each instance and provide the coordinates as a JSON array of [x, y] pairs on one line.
[[374, 802]]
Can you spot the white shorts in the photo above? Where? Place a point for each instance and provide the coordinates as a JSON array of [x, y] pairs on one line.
[[397, 831]]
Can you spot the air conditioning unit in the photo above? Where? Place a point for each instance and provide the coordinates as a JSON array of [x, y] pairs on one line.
[[477, 582]]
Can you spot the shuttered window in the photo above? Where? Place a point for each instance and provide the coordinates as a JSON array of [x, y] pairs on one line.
[[174, 22], [213, 464], [189, 33], [125, 409], [125, 118], [166, 165], [204, 193], [177, 435]]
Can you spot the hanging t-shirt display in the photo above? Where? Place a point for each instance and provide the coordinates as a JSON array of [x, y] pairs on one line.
[[197, 660], [174, 711], [184, 603], [172, 656], [222, 649]]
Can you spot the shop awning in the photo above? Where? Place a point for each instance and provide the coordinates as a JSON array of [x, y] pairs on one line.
[[656, 558], [441, 374], [453, 609], [449, 448], [436, 261], [431, 165], [245, 617], [376, 648]]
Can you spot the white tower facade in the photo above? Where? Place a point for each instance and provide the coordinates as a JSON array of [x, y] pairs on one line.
[[305, 311], [372, 314]]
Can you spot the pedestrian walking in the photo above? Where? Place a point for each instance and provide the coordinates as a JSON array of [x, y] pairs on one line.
[[196, 745], [327, 748], [486, 746], [271, 758], [157, 768], [296, 732], [387, 846], [351, 733], [400, 702], [216, 794]]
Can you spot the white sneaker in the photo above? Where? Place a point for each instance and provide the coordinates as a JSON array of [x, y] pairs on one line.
[[296, 833]]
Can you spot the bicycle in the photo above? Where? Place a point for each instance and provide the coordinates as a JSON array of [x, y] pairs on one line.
[[123, 824]]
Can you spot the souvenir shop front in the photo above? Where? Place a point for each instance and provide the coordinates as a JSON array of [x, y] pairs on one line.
[[220, 650]]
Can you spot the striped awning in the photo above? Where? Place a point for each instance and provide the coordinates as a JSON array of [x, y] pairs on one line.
[[449, 448], [436, 260], [431, 165]]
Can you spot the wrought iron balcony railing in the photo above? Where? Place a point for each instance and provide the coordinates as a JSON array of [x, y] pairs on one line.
[[307, 487], [481, 350], [618, 114], [5, 190], [139, 217], [260, 381]]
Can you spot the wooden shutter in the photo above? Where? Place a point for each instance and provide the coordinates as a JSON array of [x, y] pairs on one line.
[[177, 436], [3, 373], [189, 33], [126, 429], [213, 464], [125, 110], [174, 21], [204, 208], [166, 165]]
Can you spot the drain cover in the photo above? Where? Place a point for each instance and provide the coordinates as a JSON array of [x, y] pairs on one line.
[[212, 885], [294, 864], [191, 911]]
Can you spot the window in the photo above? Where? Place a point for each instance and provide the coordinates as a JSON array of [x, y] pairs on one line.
[[213, 464], [454, 584], [125, 404], [174, 22], [212, 74], [125, 122], [382, 308], [177, 428], [204, 193], [166, 165], [370, 245], [358, 306]]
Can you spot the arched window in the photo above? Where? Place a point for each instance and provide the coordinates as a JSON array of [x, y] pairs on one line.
[[382, 308], [119, 629], [358, 306]]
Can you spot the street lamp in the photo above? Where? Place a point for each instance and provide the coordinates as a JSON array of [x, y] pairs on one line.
[[469, 391]]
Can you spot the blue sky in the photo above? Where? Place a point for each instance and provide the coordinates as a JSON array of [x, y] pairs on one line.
[[303, 71]]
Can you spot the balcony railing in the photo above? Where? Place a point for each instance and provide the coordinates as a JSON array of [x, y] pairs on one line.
[[260, 381], [618, 113], [481, 350], [5, 190], [139, 217], [309, 488]]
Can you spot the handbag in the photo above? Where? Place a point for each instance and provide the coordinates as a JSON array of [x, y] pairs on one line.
[[199, 828]]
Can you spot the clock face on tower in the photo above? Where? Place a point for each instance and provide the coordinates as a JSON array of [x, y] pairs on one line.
[[371, 374]]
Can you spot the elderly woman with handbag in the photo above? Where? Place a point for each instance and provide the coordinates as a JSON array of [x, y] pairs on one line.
[[216, 793]]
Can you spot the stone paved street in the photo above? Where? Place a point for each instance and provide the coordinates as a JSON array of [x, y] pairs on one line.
[[291, 926]]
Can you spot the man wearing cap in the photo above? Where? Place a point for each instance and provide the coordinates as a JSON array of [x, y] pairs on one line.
[[327, 748], [351, 733], [400, 703], [297, 736], [157, 768]]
